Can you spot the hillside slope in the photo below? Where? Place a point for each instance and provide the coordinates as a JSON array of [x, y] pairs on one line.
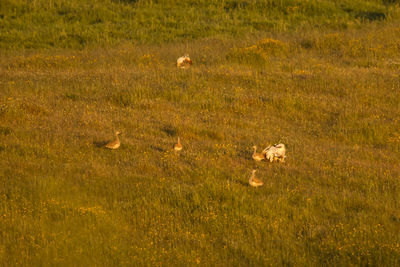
[[330, 93], [77, 24]]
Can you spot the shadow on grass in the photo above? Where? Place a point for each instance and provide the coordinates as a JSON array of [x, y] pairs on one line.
[[159, 149], [242, 183], [366, 15], [371, 16], [99, 144], [169, 130]]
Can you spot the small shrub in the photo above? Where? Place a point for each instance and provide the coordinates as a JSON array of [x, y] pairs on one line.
[[73, 97], [5, 130], [259, 53], [123, 99]]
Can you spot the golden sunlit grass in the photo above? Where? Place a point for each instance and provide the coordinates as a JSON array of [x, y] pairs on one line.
[[332, 98]]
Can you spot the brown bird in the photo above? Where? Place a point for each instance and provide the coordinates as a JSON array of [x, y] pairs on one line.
[[115, 143], [178, 146], [257, 156], [253, 181]]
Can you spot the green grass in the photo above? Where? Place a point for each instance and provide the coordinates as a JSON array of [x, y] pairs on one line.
[[79, 24], [328, 90]]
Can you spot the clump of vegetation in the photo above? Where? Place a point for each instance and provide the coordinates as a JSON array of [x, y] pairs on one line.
[[259, 53]]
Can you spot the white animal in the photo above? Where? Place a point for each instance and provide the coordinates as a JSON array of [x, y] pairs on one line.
[[184, 62], [275, 153]]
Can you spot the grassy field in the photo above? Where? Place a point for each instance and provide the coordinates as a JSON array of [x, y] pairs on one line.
[[88, 23], [320, 76]]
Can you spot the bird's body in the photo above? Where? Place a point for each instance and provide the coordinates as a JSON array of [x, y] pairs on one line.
[[253, 181], [178, 145], [184, 62], [115, 143], [257, 156], [275, 153]]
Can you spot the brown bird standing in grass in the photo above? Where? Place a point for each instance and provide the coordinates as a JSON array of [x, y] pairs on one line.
[[115, 143], [257, 156], [253, 181], [178, 146]]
